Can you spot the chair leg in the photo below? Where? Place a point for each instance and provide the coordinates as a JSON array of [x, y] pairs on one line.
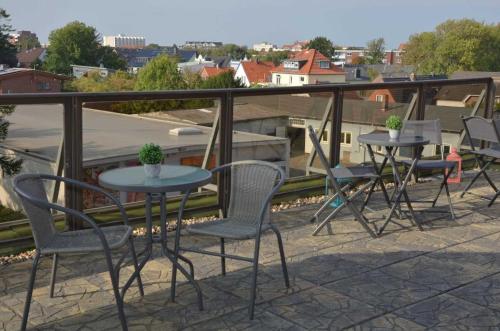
[[53, 275], [253, 287], [116, 290], [222, 258], [282, 256], [136, 266], [494, 198], [29, 293], [452, 212]]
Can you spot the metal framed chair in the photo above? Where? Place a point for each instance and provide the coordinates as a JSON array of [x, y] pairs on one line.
[[336, 174], [431, 129], [49, 241], [479, 128], [253, 185]]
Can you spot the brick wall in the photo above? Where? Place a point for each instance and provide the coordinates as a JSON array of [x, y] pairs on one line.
[[30, 83]]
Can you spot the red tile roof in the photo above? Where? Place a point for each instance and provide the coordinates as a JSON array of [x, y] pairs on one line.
[[213, 71], [26, 58], [312, 58], [258, 71]]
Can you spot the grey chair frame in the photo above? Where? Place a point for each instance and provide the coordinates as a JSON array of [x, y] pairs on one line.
[[114, 270], [490, 133], [340, 192], [255, 259], [436, 139]]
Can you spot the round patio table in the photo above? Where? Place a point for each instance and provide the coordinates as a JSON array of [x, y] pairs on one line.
[[390, 147], [172, 178]]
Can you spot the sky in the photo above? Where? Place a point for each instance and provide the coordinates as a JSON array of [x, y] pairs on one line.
[[244, 22]]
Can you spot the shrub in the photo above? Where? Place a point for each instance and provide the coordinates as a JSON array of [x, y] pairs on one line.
[[394, 122], [150, 154]]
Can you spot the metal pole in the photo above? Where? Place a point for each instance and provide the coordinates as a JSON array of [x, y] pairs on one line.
[[225, 149], [490, 99], [336, 127], [73, 157]]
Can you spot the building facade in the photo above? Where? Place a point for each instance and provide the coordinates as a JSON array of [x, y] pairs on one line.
[[22, 80], [122, 41]]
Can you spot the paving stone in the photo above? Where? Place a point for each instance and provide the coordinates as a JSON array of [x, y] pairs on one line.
[[484, 292], [388, 322]]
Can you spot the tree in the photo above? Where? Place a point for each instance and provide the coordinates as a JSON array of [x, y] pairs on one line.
[[7, 50], [323, 45], [222, 80], [276, 57], [236, 52], [160, 73], [110, 59], [75, 43], [9, 164], [455, 45], [375, 51], [27, 41]]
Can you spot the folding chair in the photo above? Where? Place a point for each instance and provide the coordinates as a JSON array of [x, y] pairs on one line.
[[336, 174], [487, 130], [431, 129]]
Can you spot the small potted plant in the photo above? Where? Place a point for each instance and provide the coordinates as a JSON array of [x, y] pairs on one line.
[[151, 157], [394, 124]]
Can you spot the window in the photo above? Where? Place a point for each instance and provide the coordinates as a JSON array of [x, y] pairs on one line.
[[379, 98], [446, 149], [291, 78], [297, 122], [43, 85], [346, 138], [278, 79], [324, 64], [301, 79], [357, 74], [324, 138]]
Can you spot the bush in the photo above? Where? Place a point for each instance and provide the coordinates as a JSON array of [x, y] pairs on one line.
[[394, 122], [150, 154]]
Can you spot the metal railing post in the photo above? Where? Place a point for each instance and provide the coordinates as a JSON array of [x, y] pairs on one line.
[[420, 115], [490, 99], [225, 148], [73, 157], [336, 127]]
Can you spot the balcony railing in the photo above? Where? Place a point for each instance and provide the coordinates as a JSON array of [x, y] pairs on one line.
[[71, 160]]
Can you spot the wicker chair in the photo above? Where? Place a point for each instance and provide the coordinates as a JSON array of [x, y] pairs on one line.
[[253, 184], [48, 241]]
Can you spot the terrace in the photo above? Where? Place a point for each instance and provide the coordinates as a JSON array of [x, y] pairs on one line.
[[443, 277]]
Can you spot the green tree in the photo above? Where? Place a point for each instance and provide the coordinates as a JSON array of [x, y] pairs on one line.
[[7, 50], [9, 164], [222, 80], [110, 59], [276, 57], [160, 73], [323, 45], [236, 52], [375, 53], [26, 42], [75, 43], [455, 45]]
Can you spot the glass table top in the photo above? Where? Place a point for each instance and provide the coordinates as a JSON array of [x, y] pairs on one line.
[[171, 178]]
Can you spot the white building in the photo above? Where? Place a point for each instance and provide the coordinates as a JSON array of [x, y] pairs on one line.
[[264, 47], [122, 41]]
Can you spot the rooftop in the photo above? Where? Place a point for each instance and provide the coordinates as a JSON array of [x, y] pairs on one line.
[[445, 277], [311, 66]]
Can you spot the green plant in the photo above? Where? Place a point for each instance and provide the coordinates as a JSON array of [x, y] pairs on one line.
[[394, 122], [150, 154]]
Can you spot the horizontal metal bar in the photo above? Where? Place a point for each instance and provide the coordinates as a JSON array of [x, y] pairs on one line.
[[44, 98], [229, 256]]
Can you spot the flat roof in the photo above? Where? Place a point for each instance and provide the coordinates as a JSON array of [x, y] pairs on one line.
[[37, 129]]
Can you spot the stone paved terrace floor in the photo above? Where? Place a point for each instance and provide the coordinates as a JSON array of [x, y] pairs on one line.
[[446, 277]]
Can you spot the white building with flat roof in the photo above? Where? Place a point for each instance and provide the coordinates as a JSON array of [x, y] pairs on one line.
[[122, 41]]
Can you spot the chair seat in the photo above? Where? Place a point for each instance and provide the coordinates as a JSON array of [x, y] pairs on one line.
[[354, 172], [491, 152], [87, 240], [227, 228], [431, 164]]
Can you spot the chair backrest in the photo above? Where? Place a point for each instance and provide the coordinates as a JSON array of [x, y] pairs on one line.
[[430, 129], [322, 158], [31, 190], [252, 185], [479, 128]]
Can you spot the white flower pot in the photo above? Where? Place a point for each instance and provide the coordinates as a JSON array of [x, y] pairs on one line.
[[152, 170], [394, 134]]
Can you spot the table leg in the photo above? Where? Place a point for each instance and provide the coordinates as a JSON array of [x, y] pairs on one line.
[[378, 180], [401, 188], [174, 256]]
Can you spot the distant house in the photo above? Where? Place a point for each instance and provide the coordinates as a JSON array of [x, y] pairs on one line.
[[23, 80], [297, 46], [202, 44], [390, 96], [264, 47], [208, 72], [465, 95], [348, 55], [138, 58], [80, 71], [307, 67], [26, 59], [395, 56], [255, 72]]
